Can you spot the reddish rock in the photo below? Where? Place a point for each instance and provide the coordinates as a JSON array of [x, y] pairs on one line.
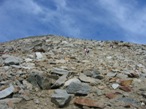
[[125, 88], [112, 95], [88, 102]]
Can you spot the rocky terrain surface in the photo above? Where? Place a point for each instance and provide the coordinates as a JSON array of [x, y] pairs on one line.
[[53, 72]]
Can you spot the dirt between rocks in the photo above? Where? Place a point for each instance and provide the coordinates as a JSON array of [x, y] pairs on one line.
[[53, 72]]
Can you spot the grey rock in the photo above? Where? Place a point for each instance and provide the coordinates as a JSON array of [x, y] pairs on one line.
[[60, 98], [128, 100], [41, 48], [6, 92], [60, 71], [14, 100], [3, 106], [88, 73], [36, 101], [78, 88], [1, 61], [12, 60], [84, 78], [9, 49], [27, 84], [75, 80], [123, 76], [144, 94], [111, 74], [60, 81], [99, 92], [41, 81], [96, 74], [2, 49]]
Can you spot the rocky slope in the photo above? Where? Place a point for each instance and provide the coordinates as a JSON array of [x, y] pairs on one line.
[[52, 72]]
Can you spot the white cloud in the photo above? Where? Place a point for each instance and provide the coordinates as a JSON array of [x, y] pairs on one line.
[[128, 17], [62, 17], [76, 19]]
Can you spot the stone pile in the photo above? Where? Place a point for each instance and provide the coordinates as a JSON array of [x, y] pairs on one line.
[[56, 72]]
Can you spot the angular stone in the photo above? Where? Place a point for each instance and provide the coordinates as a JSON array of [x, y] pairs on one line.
[[6, 92], [60, 98], [122, 76], [78, 88], [11, 60], [126, 82], [96, 74], [75, 80], [1, 61], [14, 100], [130, 101], [84, 78], [99, 92], [27, 84], [36, 101], [60, 81], [3, 106], [60, 71], [28, 60], [112, 95], [111, 74], [88, 102], [39, 55], [62, 61], [144, 94], [41, 81], [133, 75], [125, 88], [115, 86]]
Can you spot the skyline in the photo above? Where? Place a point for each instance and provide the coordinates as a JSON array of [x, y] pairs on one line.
[[85, 19]]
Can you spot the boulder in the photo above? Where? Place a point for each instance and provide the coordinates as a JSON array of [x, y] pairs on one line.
[[78, 88], [75, 80], [60, 81], [6, 92], [40, 80], [60, 98]]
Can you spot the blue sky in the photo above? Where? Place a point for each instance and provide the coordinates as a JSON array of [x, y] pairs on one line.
[[87, 19]]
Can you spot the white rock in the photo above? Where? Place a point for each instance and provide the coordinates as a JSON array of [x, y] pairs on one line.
[[28, 60], [85, 61], [109, 57], [115, 86], [62, 61], [39, 55]]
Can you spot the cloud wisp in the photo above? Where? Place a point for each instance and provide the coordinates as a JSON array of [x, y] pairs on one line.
[[100, 19], [129, 17]]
